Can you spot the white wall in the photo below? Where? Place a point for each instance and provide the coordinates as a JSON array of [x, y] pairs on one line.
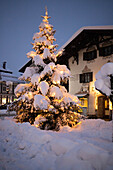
[[94, 66]]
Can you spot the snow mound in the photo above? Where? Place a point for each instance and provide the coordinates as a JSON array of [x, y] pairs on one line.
[[60, 147], [87, 146], [93, 154]]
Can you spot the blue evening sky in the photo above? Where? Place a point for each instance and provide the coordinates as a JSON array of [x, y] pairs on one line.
[[19, 20]]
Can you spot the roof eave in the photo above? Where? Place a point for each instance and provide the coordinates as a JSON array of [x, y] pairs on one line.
[[86, 28]]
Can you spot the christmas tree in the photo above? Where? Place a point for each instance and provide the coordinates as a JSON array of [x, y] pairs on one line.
[[43, 100]]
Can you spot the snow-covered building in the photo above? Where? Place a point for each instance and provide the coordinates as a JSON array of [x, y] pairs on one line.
[[85, 53], [8, 82]]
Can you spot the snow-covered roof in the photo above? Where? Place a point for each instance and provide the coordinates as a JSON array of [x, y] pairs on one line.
[[9, 77], [86, 28], [5, 70]]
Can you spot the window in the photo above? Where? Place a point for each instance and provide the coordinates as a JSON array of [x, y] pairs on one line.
[[82, 102], [0, 87], [87, 56], [106, 51], [86, 77], [4, 87]]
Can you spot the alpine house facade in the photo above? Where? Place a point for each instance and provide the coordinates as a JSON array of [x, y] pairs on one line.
[[85, 53]]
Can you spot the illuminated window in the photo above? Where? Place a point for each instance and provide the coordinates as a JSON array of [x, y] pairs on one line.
[[107, 104], [4, 100], [82, 102]]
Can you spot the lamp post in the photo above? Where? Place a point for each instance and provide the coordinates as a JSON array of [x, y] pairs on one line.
[[111, 98]]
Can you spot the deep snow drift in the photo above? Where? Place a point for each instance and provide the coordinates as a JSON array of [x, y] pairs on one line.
[[86, 147]]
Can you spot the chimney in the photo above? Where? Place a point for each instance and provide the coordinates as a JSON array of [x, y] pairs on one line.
[[4, 64]]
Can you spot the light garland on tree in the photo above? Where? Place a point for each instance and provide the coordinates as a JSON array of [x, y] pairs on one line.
[[43, 99]]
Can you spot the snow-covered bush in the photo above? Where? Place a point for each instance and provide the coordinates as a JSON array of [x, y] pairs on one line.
[[102, 82]]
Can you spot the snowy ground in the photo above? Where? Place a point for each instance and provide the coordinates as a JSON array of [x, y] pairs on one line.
[[86, 147]]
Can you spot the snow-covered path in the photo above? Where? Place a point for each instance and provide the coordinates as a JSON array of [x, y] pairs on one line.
[[25, 147]]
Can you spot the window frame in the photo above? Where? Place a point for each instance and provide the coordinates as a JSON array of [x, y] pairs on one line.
[[106, 51], [91, 55], [3, 86], [86, 77]]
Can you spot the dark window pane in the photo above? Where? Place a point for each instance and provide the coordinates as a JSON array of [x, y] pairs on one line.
[[81, 78], [105, 51], [90, 55], [86, 77]]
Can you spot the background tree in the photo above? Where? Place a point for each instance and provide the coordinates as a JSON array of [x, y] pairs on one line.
[[43, 99]]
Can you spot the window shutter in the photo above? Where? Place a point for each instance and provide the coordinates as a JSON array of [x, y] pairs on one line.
[[91, 76], [81, 78]]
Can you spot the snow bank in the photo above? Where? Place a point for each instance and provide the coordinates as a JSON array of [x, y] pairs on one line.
[[88, 146]]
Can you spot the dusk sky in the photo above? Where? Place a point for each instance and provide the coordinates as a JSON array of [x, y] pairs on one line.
[[20, 19]]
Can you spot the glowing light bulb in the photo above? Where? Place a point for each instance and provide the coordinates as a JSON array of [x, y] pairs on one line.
[[61, 72], [58, 82], [53, 94], [54, 82]]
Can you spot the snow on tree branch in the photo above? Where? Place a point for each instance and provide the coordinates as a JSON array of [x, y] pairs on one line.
[[43, 97], [103, 78]]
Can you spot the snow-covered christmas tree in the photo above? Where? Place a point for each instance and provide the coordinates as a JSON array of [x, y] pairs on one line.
[[43, 100]]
